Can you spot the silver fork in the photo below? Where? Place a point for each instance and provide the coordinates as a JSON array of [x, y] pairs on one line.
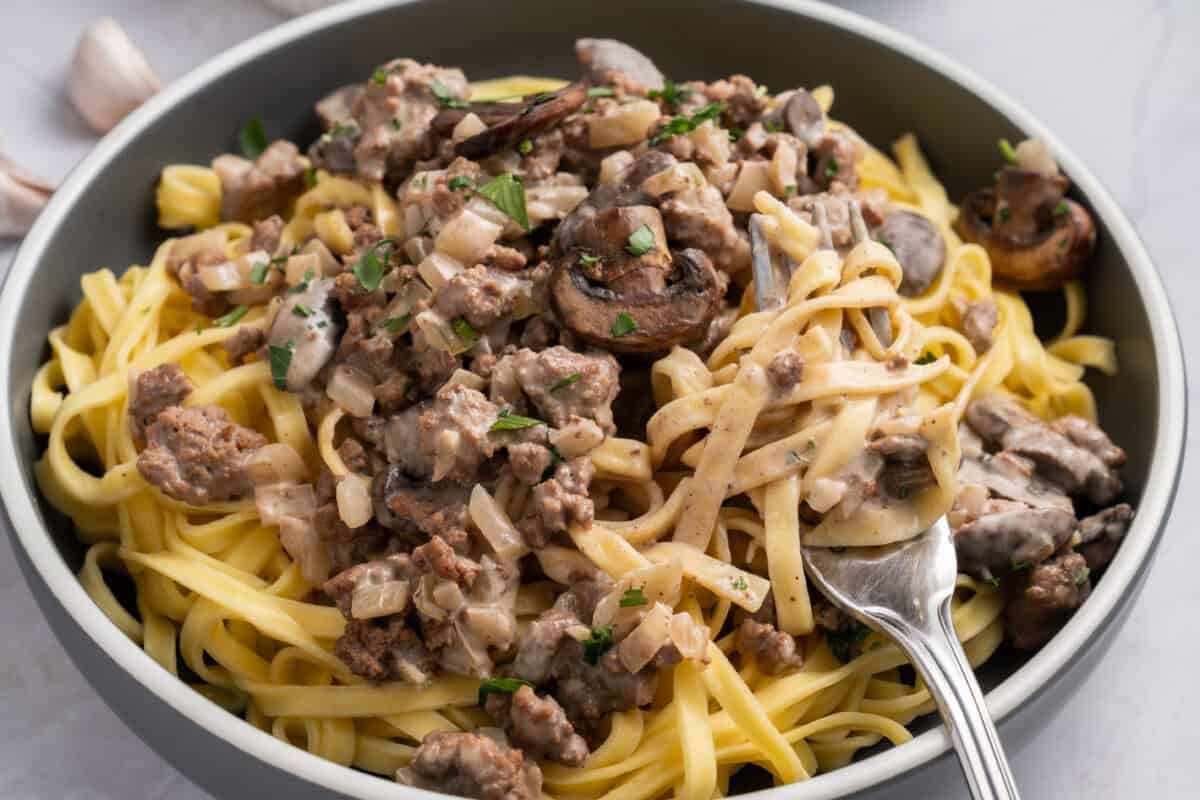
[[904, 590]]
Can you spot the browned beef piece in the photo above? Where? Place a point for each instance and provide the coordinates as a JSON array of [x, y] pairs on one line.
[[353, 455], [439, 558], [253, 190], [266, 234], [1011, 536], [1102, 533], [364, 346], [560, 383], [699, 218], [978, 322], [560, 503], [1089, 436], [410, 507], [773, 651], [338, 105], [384, 649], [153, 391], [448, 202], [785, 369], [428, 366], [340, 588], [246, 340], [472, 765], [544, 637], [454, 432], [836, 154], [1046, 598], [744, 104], [479, 295], [1003, 422], [1011, 477], [196, 454], [529, 461], [906, 467], [538, 725], [590, 692]]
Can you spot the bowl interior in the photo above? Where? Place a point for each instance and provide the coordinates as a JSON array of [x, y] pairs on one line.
[[880, 91]]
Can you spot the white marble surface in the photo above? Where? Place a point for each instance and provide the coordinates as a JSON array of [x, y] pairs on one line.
[[1117, 81]]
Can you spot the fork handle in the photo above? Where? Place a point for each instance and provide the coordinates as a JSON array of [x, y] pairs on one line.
[[936, 653]]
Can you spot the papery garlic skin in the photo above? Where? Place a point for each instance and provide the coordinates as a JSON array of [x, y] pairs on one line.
[[22, 197], [109, 76]]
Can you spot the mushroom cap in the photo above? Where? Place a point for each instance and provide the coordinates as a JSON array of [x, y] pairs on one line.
[[605, 236], [1042, 260], [601, 57], [804, 117], [919, 247], [661, 319], [539, 113]]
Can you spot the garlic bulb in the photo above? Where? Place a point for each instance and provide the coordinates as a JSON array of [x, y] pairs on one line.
[[109, 76], [21, 198]]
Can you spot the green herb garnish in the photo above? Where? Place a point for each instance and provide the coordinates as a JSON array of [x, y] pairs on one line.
[[508, 421], [301, 310], [832, 168], [310, 177], [507, 194], [1003, 213], [812, 444], [253, 138], [623, 325], [460, 182], [368, 268], [258, 272], [302, 286], [231, 318], [926, 358], [1007, 150], [379, 76], [672, 93], [994, 582], [1061, 208], [1020, 566], [587, 260], [445, 96], [789, 191], [525, 147], [281, 360], [395, 124], [396, 324], [772, 126], [1082, 576], [682, 124], [640, 241], [844, 641], [735, 134], [632, 597], [601, 91], [739, 583], [596, 645], [464, 330], [563, 383], [500, 686], [791, 458]]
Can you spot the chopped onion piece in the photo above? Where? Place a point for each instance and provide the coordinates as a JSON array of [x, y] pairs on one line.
[[495, 526], [277, 501], [641, 645], [552, 202], [275, 463], [445, 452], [659, 583], [494, 626], [301, 265], [223, 277], [712, 143], [354, 501], [627, 124], [467, 237], [448, 595], [753, 178], [352, 389], [467, 127], [1035, 155], [689, 637], [563, 564], [675, 178], [438, 269], [439, 334], [466, 378], [418, 248], [379, 599], [577, 438], [612, 167], [301, 541], [744, 588], [327, 265], [783, 169]]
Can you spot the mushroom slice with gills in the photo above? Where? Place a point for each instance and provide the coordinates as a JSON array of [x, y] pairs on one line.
[[637, 320], [1035, 238], [539, 113], [606, 251], [305, 324], [626, 191], [599, 58], [800, 113], [919, 247]]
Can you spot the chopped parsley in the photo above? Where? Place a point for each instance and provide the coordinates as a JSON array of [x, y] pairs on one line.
[[812, 444], [1003, 213], [500, 686], [791, 458], [845, 640], [464, 330], [525, 147], [379, 76], [1061, 208], [445, 97], [542, 97], [789, 191], [563, 383], [632, 598], [587, 260], [508, 421], [672, 93], [301, 310], [596, 645], [368, 268], [231, 318], [623, 325], [926, 358], [1082, 576], [460, 182], [507, 194], [253, 138], [302, 286], [832, 168], [601, 91], [258, 272], [739, 583], [281, 360], [395, 123], [1020, 566], [1007, 150], [641, 241], [684, 124], [735, 134], [773, 126], [310, 177], [994, 582], [902, 492], [396, 324]]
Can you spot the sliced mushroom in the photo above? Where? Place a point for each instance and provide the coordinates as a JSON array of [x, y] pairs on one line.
[[1035, 239], [602, 57], [800, 113], [305, 325], [625, 192], [919, 247], [603, 241], [637, 321], [540, 113]]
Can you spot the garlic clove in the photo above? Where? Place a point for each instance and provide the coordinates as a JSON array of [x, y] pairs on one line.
[[22, 197], [109, 76]]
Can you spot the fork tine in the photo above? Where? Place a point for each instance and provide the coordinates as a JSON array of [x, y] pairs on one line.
[[858, 226], [765, 294], [821, 216]]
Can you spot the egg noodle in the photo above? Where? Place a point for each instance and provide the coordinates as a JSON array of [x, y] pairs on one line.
[[215, 589]]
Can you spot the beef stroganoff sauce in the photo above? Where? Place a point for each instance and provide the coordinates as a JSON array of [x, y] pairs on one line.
[[457, 450]]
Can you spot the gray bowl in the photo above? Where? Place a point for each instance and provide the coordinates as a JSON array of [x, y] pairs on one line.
[[886, 84]]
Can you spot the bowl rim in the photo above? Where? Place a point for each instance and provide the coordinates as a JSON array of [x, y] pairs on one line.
[[19, 496]]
